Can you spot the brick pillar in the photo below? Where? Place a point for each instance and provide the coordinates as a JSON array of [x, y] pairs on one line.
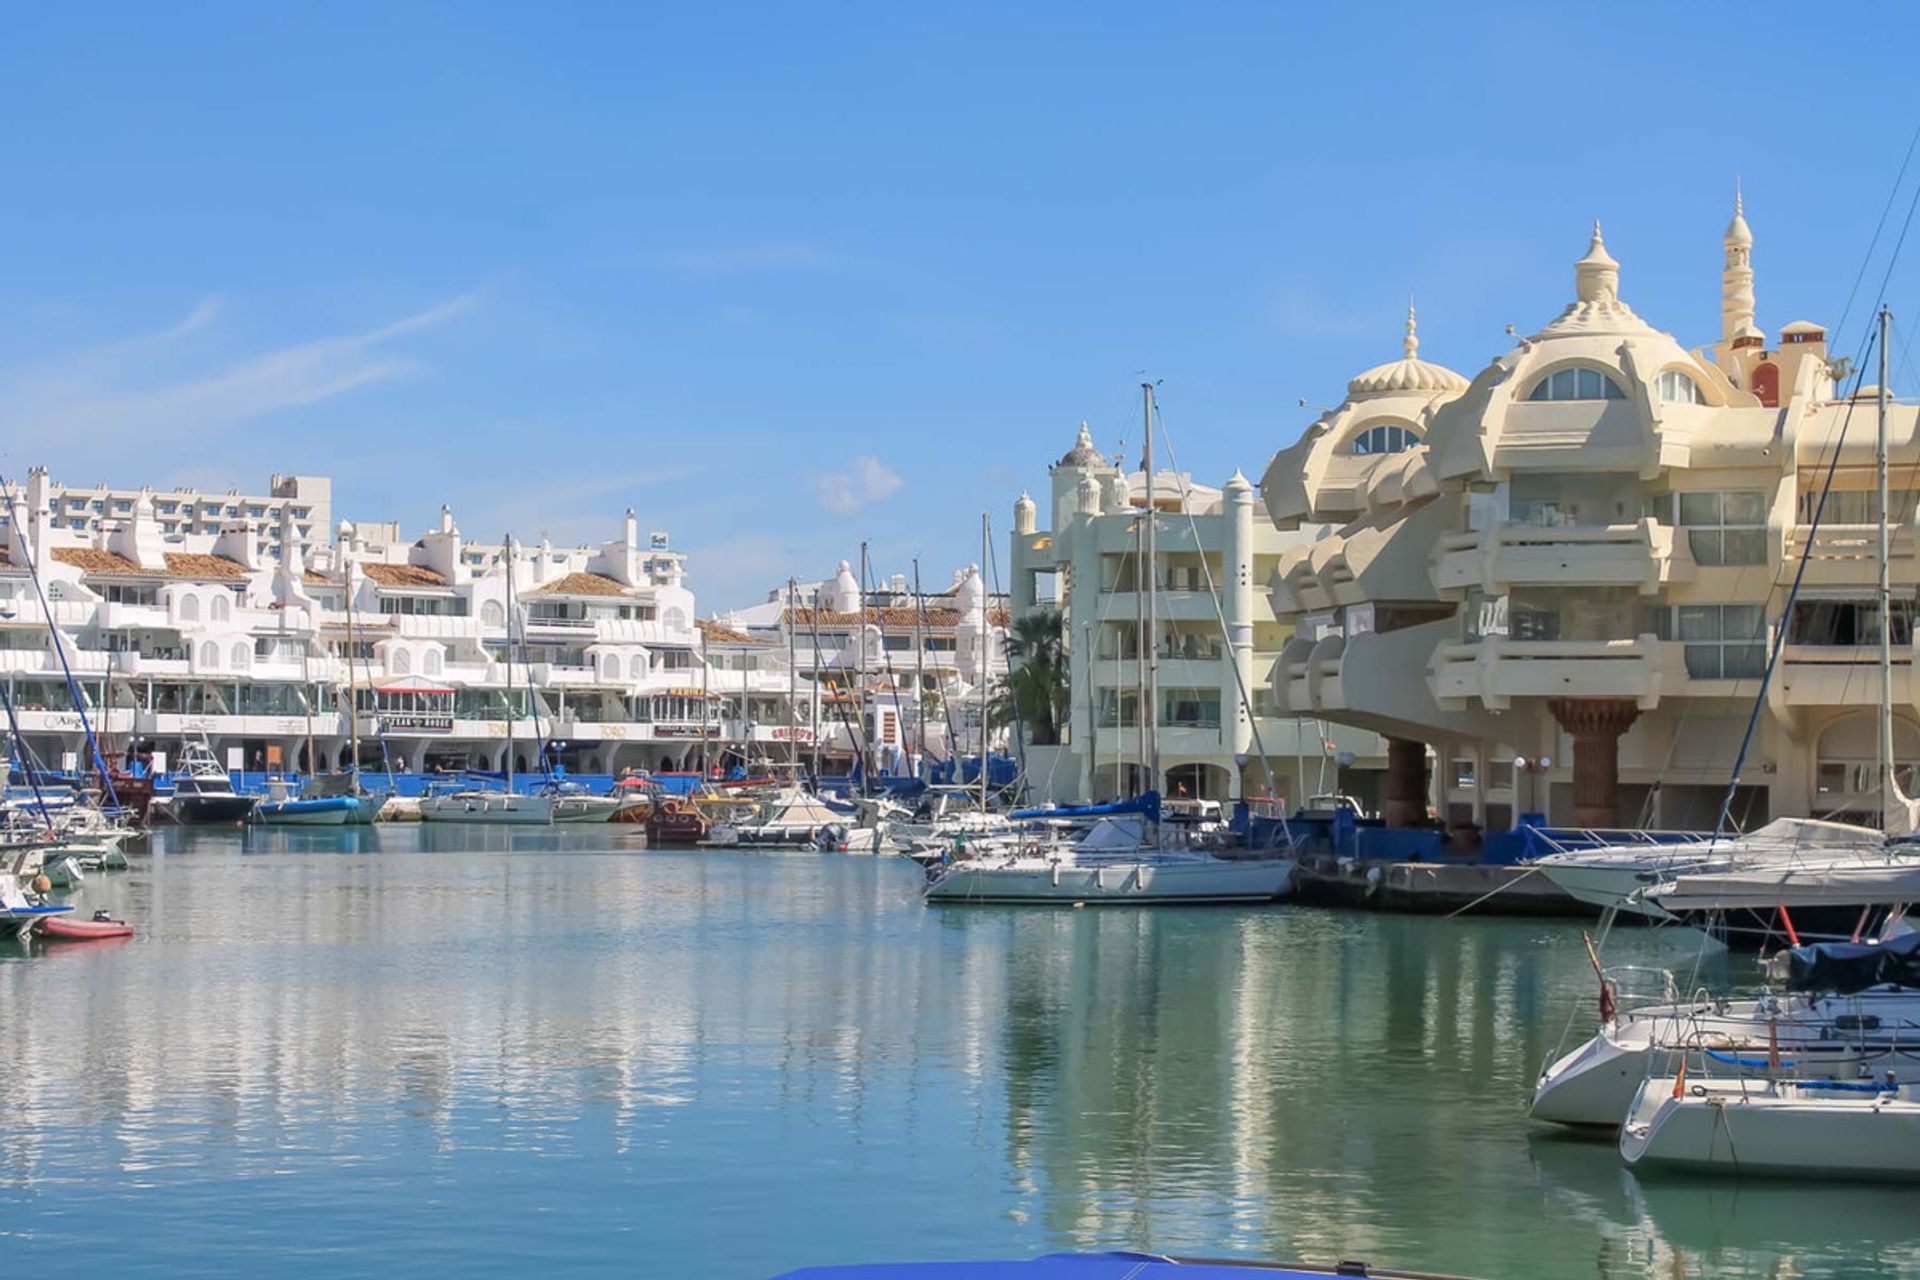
[[1596, 725], [1406, 783]]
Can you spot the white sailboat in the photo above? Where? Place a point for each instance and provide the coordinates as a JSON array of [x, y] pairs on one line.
[[1129, 858], [1800, 1128], [480, 805]]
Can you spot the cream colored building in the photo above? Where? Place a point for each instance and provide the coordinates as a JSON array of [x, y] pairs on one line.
[[1563, 575], [1218, 640]]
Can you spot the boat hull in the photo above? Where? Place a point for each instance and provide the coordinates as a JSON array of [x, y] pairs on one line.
[[69, 929], [1750, 1128], [490, 808], [1118, 882], [204, 811], [331, 811]]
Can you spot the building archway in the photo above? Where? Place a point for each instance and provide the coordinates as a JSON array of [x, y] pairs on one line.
[[1845, 782], [1198, 781]]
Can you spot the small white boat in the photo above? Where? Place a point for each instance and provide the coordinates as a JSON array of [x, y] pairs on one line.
[[574, 803], [792, 819], [1124, 858], [1616, 875], [500, 808], [1806, 1128]]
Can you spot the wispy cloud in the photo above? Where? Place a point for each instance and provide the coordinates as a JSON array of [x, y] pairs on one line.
[[106, 395], [866, 481]]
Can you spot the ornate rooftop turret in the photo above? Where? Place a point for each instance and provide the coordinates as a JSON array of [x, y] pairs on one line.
[[1736, 282], [1596, 277], [1083, 454], [1407, 374]]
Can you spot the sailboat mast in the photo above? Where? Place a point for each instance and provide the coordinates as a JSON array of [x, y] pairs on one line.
[[353, 687], [1151, 693], [793, 687], [506, 549], [919, 672], [986, 613], [1887, 766], [813, 631], [860, 680]]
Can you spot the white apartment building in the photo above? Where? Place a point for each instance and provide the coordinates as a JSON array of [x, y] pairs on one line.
[[1563, 577], [1222, 734], [407, 642], [186, 512]]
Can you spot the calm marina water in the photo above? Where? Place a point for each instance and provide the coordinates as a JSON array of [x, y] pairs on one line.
[[429, 1050]]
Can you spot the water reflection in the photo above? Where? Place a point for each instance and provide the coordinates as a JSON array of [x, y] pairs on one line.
[[495, 1049]]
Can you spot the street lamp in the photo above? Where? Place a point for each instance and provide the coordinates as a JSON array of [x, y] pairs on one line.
[[1522, 765]]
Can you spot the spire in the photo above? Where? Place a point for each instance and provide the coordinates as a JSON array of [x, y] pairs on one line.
[[1596, 277], [1736, 279], [1738, 233], [1411, 346], [1083, 454]]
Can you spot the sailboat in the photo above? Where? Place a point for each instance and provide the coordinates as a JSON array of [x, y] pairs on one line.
[[480, 805], [1129, 855]]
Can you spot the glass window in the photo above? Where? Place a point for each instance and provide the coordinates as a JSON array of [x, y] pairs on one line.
[[1724, 641], [1725, 528], [1676, 387], [1386, 438], [1577, 384]]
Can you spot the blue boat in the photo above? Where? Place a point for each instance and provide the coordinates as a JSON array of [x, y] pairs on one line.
[[1104, 1266], [282, 808]]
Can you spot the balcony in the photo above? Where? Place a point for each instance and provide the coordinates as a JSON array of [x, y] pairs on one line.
[[1849, 554], [1638, 555], [1497, 670], [1815, 675]]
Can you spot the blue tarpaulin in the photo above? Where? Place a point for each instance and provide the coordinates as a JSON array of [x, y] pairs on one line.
[[1147, 803]]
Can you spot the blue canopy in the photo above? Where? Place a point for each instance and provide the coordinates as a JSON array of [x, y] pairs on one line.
[[1066, 1266], [1147, 803]]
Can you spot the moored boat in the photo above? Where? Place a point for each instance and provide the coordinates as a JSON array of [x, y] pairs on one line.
[[283, 808], [202, 792], [99, 927], [1794, 1128]]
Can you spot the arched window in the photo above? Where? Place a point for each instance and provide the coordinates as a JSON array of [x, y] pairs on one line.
[[610, 667], [221, 608], [400, 662], [189, 607], [1676, 387], [674, 620], [1577, 384], [430, 664], [1385, 438], [210, 656], [493, 614], [638, 666], [242, 655]]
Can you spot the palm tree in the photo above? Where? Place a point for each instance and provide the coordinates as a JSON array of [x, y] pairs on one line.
[[1034, 691]]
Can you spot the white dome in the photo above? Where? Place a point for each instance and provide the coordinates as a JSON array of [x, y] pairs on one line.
[[970, 596], [1407, 374]]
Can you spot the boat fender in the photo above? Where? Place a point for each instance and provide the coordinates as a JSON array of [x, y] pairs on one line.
[[1374, 877], [41, 884], [1056, 875]]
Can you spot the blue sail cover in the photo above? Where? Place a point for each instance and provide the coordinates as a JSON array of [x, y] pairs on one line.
[[1146, 803], [1846, 967], [1063, 1266]]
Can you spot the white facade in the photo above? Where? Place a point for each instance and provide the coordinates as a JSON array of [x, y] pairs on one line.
[[1565, 577], [185, 512], [1221, 735], [171, 636]]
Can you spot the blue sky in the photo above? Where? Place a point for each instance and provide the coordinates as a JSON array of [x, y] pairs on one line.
[[785, 277]]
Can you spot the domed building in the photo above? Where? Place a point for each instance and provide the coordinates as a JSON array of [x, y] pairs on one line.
[[1563, 587]]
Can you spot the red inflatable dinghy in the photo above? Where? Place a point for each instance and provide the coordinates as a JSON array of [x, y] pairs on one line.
[[67, 929]]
